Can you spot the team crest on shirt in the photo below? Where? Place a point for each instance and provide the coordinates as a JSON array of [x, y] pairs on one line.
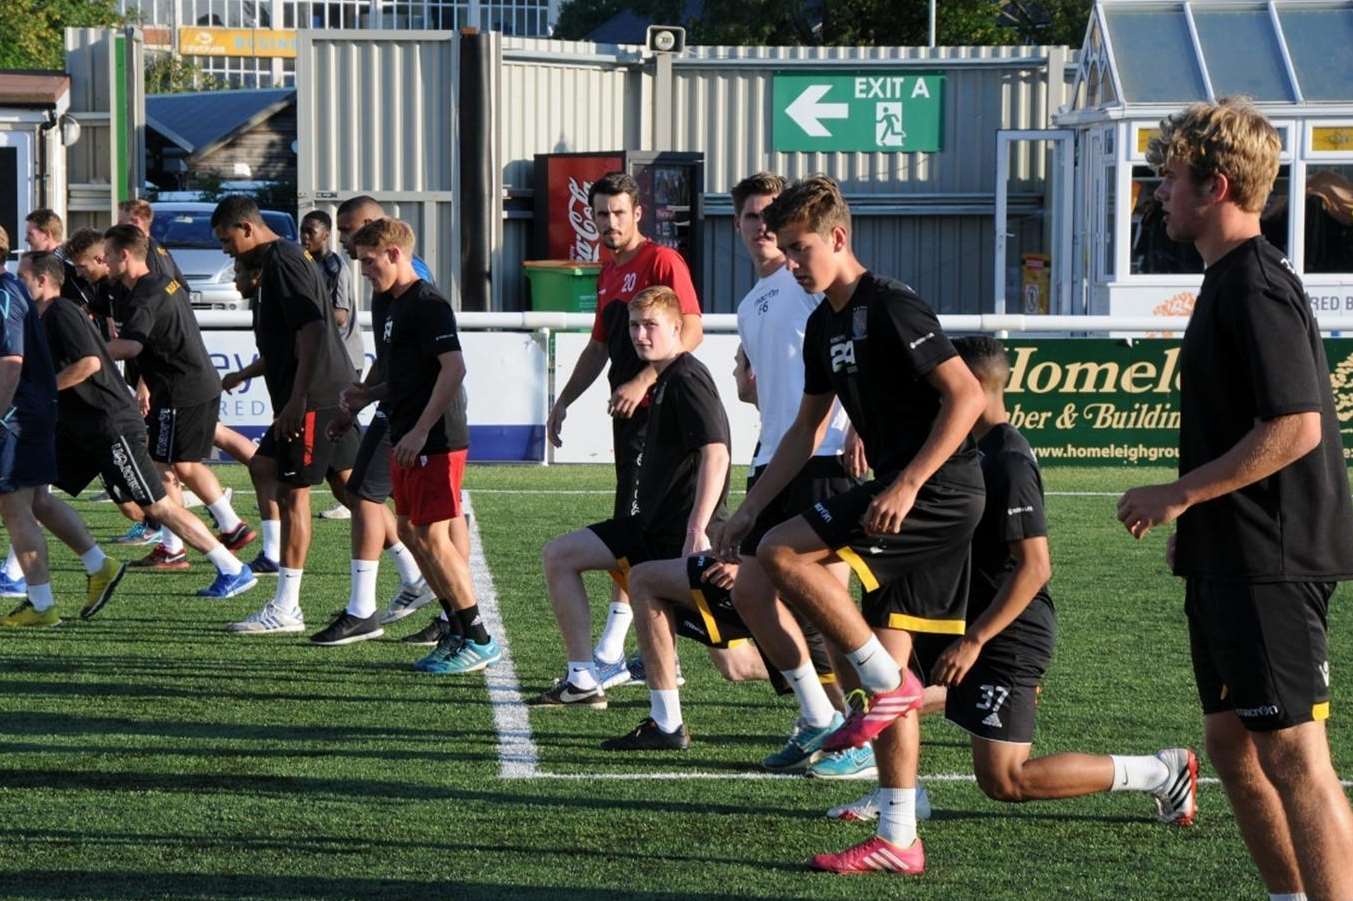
[[859, 323], [389, 329], [172, 287]]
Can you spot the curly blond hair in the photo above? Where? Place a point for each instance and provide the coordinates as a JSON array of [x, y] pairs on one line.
[[1230, 137]]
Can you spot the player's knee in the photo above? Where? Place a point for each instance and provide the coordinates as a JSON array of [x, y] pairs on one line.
[[774, 558], [555, 556], [1001, 785]]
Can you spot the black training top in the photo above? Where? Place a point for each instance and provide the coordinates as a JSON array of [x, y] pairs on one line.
[[874, 356], [290, 296], [419, 326], [686, 415], [101, 406], [1252, 352], [1014, 512], [161, 263], [173, 360]]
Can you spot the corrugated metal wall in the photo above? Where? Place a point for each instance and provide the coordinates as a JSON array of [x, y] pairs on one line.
[[376, 114], [89, 160]]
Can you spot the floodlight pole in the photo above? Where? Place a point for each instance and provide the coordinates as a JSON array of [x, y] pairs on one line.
[[932, 23]]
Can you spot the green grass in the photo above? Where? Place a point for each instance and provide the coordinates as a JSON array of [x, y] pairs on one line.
[[148, 754]]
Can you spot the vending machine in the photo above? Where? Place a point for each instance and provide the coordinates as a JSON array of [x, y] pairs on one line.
[[670, 189]]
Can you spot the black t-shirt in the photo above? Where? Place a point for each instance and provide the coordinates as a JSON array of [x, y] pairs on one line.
[[418, 326], [173, 360], [101, 405], [874, 356], [161, 263], [1014, 512], [1252, 352], [686, 415], [290, 296]]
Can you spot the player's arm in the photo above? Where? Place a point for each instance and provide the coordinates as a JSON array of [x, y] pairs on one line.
[[307, 346], [449, 379], [795, 449], [11, 365], [125, 348], [343, 297], [232, 380], [77, 372], [961, 403], [590, 364], [709, 482], [1271, 445], [1033, 569]]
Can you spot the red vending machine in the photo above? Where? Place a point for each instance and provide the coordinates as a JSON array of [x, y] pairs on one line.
[[670, 189]]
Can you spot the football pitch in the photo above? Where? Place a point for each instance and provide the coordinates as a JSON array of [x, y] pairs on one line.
[[147, 754]]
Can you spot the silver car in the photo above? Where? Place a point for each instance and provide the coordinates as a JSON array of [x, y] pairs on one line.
[[184, 229]]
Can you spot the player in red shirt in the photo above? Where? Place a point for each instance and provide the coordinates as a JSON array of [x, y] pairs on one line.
[[635, 263]]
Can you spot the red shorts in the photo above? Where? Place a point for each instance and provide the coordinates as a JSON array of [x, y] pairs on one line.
[[429, 491]]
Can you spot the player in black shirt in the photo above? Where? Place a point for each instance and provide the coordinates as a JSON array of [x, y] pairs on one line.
[[994, 670], [879, 349], [303, 363], [424, 373], [683, 482], [139, 214], [157, 328], [99, 432], [1265, 521]]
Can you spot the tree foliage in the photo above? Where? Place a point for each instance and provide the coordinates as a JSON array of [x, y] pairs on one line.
[[32, 32], [170, 74], [900, 23]]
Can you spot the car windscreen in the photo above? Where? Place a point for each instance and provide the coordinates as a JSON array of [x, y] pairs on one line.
[[192, 228]]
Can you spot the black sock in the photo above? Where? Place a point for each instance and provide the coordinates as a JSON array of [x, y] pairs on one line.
[[472, 625], [452, 621]]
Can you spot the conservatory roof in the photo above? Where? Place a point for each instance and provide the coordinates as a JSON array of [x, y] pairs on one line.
[[1152, 52]]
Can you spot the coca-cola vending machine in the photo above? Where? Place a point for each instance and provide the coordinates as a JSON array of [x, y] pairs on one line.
[[670, 189]]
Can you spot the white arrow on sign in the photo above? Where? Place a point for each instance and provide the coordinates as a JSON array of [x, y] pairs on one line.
[[807, 110]]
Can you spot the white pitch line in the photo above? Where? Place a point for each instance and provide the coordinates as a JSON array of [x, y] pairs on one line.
[[517, 754], [753, 776]]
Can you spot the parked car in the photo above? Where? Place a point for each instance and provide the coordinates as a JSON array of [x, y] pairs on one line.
[[185, 230]]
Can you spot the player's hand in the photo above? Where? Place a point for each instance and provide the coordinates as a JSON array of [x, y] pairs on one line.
[[339, 425], [728, 538], [290, 419], [721, 575], [853, 457], [955, 662], [143, 399], [554, 425], [1142, 509], [627, 398], [231, 380], [354, 398], [887, 511], [1170, 544], [410, 447], [696, 541]]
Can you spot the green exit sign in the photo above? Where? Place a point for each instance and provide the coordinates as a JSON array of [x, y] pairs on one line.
[[881, 112]]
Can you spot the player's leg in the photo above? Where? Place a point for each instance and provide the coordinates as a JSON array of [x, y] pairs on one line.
[[739, 662], [234, 531], [191, 441], [609, 651], [565, 559], [240, 448], [16, 511]]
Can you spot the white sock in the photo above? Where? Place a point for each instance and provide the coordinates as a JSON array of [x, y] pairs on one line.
[[582, 674], [664, 705], [877, 669], [1286, 896], [224, 514], [362, 595], [272, 539], [40, 596], [288, 595], [171, 542], [1141, 774], [224, 561], [444, 617], [409, 573], [13, 571], [815, 708], [611, 645], [93, 559], [897, 815]]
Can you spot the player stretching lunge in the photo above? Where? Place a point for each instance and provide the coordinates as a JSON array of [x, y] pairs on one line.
[[304, 365], [425, 371], [635, 263], [100, 432], [683, 481], [879, 349], [994, 670], [1265, 521], [28, 399]]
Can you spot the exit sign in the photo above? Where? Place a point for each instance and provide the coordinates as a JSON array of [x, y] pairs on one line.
[[880, 112]]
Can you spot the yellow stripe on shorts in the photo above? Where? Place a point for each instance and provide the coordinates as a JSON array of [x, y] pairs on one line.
[[856, 563], [1321, 711], [921, 624], [703, 606]]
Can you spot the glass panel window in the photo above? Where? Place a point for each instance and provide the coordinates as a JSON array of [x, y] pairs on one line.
[[1273, 221], [1109, 248], [1154, 55], [1153, 252], [1259, 71], [1320, 40], [1329, 218]]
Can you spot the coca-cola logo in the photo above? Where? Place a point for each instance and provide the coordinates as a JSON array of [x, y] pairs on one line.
[[585, 245]]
